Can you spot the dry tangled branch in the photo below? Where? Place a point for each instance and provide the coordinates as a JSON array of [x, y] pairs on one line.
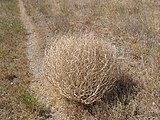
[[82, 67]]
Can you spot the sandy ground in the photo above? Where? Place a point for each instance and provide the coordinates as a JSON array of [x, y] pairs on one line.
[[33, 50]]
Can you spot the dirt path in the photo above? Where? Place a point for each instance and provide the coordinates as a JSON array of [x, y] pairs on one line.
[[33, 49]]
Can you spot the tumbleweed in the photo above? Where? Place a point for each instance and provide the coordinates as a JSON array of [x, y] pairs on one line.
[[82, 67]]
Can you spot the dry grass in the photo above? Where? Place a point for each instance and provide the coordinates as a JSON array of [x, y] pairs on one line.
[[83, 67], [14, 71], [133, 26]]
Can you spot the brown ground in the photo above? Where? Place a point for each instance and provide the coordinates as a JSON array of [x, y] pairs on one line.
[[132, 26]]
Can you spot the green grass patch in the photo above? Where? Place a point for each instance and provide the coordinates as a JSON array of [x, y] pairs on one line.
[[29, 100], [15, 25]]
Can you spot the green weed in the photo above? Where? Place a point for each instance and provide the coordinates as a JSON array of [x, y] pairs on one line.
[[10, 25], [29, 100]]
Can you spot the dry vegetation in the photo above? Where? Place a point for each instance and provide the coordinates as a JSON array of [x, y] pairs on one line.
[[82, 67], [133, 26]]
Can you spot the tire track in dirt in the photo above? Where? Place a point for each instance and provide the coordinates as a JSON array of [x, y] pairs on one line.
[[32, 49]]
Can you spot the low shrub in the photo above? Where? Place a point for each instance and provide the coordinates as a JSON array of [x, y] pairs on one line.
[[83, 67]]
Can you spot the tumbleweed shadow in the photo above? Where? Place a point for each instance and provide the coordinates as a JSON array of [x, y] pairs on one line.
[[125, 89]]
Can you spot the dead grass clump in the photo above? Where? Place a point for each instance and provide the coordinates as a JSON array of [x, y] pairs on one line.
[[82, 67]]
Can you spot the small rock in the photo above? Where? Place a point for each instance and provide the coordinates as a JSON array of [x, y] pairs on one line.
[[11, 78]]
